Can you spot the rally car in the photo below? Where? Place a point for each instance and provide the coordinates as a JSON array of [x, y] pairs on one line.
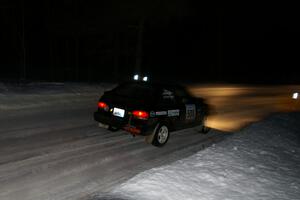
[[151, 109]]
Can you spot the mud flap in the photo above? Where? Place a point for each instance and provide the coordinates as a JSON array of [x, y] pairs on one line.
[[149, 138], [101, 125]]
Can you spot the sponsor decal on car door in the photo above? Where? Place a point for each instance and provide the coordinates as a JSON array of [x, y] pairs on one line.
[[173, 113]]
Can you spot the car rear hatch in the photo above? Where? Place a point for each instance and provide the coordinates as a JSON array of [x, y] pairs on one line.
[[125, 99]]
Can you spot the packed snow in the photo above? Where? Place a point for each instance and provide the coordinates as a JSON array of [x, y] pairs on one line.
[[33, 95], [51, 148], [259, 162]]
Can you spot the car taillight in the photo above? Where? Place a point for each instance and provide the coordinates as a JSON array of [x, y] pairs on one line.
[[103, 106], [140, 114]]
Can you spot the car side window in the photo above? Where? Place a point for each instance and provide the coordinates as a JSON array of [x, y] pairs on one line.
[[167, 96], [182, 95]]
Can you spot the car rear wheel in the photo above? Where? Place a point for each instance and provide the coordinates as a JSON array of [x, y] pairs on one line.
[[161, 135]]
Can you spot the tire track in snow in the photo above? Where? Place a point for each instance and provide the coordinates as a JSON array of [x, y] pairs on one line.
[[76, 161]]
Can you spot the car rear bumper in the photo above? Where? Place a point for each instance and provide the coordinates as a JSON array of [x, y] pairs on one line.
[[134, 126], [109, 120]]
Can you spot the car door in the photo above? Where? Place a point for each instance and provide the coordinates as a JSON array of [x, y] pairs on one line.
[[168, 108], [188, 107]]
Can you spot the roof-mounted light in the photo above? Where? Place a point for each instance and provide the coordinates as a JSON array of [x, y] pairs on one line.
[[136, 77], [145, 78]]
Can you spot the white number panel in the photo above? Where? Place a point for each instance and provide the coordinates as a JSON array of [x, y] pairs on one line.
[[190, 111]]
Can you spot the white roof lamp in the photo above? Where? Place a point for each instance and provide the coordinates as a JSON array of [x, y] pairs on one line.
[[136, 77], [145, 78]]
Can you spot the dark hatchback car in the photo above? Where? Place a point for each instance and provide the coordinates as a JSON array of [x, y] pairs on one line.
[[151, 110]]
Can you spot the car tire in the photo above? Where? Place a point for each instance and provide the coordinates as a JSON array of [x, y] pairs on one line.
[[204, 129], [161, 135]]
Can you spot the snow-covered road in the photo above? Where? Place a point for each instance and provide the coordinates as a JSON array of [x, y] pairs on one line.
[[56, 151], [51, 148]]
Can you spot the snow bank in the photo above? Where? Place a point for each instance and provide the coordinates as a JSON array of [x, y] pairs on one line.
[[260, 162], [13, 97], [50, 88]]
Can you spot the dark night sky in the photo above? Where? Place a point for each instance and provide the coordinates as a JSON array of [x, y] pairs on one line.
[[76, 40]]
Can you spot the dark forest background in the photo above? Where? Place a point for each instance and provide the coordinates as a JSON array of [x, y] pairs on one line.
[[188, 40]]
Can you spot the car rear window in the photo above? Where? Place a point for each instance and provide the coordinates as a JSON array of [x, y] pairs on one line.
[[135, 90]]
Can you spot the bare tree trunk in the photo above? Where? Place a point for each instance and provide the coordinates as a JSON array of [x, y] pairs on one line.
[[116, 56], [23, 57], [51, 58], [220, 45], [139, 47]]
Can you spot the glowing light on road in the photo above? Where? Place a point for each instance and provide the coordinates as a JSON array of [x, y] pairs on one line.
[[295, 95]]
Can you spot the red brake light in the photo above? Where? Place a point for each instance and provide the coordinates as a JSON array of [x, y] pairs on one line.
[[140, 114], [102, 105]]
